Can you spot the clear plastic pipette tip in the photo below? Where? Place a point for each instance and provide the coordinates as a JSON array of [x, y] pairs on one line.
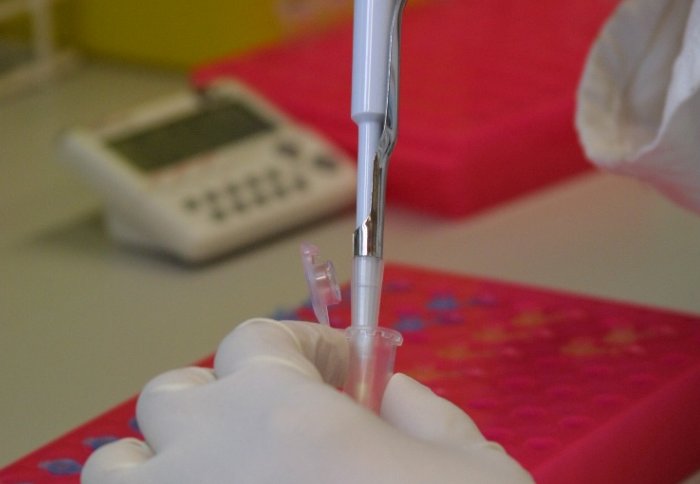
[[366, 290]]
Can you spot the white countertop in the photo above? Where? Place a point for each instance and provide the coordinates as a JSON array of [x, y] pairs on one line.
[[85, 323]]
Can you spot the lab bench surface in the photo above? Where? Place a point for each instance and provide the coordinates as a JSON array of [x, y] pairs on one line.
[[84, 323]]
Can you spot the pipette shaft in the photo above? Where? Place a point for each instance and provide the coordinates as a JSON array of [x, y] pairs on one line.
[[374, 97]]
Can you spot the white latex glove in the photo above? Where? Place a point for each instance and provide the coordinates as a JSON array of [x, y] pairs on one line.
[[269, 413], [638, 107]]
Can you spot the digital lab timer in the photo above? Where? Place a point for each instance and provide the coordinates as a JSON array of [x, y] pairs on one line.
[[200, 173]]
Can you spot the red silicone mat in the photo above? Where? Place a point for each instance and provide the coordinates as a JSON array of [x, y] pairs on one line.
[[579, 390]]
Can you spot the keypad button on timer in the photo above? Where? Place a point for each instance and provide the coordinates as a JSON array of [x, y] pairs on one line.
[[288, 148], [190, 204], [325, 162]]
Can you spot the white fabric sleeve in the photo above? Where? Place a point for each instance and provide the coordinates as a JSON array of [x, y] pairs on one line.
[[638, 107]]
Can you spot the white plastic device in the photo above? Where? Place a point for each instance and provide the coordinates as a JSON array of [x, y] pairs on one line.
[[200, 173]]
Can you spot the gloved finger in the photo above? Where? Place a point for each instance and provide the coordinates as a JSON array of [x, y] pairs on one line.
[[315, 350], [116, 463], [163, 401], [414, 409]]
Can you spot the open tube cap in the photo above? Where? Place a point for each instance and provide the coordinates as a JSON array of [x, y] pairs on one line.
[[323, 285]]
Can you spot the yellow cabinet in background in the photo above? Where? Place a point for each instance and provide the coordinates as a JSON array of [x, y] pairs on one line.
[[184, 33]]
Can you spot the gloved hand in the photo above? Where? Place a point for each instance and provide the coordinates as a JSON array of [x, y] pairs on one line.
[[269, 413], [638, 109]]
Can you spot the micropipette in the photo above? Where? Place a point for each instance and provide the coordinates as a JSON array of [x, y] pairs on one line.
[[375, 83], [375, 80], [375, 95]]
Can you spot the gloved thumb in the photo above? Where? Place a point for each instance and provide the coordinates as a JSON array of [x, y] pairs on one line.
[[115, 462], [414, 409]]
